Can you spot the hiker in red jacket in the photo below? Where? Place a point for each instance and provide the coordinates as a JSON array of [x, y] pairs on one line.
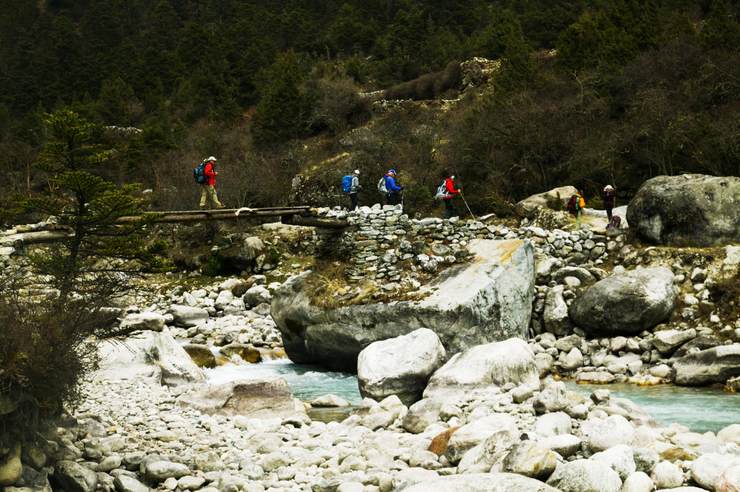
[[448, 194], [208, 192]]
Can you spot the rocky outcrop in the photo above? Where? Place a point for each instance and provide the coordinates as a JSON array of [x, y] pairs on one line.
[[487, 299], [557, 197], [253, 398], [625, 304], [714, 365], [149, 354], [399, 366], [687, 210]]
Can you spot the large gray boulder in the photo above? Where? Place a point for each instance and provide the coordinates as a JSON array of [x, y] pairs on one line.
[[687, 210], [399, 366], [263, 398], [625, 304], [147, 354], [484, 300], [481, 482], [714, 365], [557, 198]]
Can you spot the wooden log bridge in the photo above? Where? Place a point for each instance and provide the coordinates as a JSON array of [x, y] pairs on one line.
[[301, 215]]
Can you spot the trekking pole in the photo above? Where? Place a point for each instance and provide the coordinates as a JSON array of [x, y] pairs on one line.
[[467, 206]]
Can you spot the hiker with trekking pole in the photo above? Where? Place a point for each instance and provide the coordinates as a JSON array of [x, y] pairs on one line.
[[446, 192]]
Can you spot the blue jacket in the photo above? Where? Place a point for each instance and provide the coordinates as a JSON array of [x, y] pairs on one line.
[[390, 184]]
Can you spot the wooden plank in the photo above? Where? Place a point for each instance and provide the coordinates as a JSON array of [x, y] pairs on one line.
[[217, 211], [35, 237], [303, 215]]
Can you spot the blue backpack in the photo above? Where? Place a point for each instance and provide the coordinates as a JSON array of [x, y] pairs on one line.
[[347, 184], [199, 173]]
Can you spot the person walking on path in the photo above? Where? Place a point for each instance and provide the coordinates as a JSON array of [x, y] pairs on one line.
[[609, 198], [576, 205], [208, 190], [393, 189], [447, 192], [354, 188]]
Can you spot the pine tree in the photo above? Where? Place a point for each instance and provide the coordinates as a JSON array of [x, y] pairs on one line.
[[284, 108], [94, 260], [50, 322]]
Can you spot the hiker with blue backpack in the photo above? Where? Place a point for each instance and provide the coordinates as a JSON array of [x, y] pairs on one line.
[[390, 188], [205, 175], [351, 186]]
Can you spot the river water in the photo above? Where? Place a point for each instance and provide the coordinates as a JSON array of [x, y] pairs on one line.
[[700, 409]]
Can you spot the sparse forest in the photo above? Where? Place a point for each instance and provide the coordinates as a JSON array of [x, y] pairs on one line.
[[589, 91]]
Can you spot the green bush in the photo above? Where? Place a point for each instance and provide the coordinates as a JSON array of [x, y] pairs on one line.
[[47, 347], [338, 105]]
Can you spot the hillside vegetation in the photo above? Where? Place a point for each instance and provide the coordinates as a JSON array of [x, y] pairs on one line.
[[587, 92]]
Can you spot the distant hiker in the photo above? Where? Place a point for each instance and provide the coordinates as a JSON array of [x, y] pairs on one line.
[[351, 186], [392, 189], [575, 206], [610, 198], [205, 175], [446, 192]]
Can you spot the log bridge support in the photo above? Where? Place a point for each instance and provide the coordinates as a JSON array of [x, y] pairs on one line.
[[302, 216]]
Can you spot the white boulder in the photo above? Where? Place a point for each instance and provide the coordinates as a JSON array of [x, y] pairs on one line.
[[146, 320], [399, 366], [147, 354], [602, 434], [187, 316], [492, 364], [585, 476]]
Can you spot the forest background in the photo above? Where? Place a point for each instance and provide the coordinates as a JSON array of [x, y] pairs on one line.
[[589, 92]]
